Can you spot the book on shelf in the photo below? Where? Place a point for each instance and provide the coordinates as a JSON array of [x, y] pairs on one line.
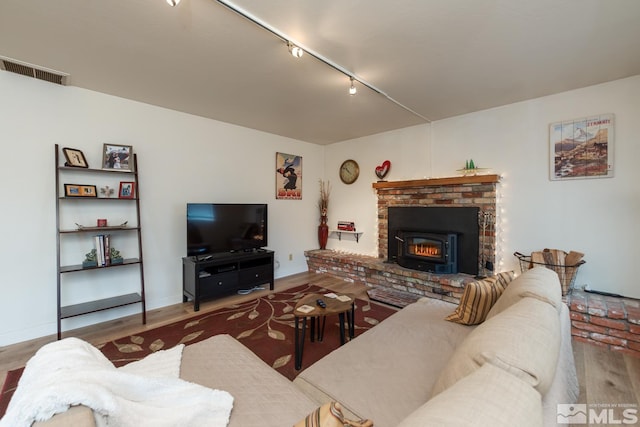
[[107, 249], [103, 249]]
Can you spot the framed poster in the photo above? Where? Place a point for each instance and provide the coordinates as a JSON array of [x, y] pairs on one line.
[[581, 148], [288, 176]]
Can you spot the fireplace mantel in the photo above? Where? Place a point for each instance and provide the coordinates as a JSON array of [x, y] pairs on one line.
[[437, 182]]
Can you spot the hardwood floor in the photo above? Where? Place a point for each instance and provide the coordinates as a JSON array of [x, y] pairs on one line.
[[605, 377], [15, 356]]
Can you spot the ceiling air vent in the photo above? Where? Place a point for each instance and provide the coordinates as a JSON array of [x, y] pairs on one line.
[[34, 71]]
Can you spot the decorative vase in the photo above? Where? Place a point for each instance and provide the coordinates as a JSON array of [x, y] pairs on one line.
[[323, 232]]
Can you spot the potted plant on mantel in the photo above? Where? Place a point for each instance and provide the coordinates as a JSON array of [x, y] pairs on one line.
[[323, 205]]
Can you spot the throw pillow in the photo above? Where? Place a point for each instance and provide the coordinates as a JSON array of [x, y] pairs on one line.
[[330, 415], [478, 298], [505, 278]]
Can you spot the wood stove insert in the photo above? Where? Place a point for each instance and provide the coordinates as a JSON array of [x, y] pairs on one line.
[[434, 252], [455, 228]]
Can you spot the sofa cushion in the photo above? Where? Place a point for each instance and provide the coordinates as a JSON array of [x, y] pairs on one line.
[[262, 396], [487, 397], [539, 282], [478, 298], [388, 372], [523, 340]]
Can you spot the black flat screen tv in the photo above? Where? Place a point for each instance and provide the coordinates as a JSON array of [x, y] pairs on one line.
[[225, 227]]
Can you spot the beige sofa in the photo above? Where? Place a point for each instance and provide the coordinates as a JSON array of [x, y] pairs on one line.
[[413, 369], [416, 368]]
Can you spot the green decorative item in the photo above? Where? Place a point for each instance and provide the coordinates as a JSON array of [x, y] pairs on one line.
[[91, 258], [470, 168], [116, 258]]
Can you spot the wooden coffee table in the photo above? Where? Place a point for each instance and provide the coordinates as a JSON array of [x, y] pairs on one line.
[[317, 314]]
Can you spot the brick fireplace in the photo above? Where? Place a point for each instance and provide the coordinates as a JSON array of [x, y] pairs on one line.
[[379, 274], [459, 192], [612, 323]]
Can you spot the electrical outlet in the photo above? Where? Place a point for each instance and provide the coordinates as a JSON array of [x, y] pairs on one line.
[[290, 257]]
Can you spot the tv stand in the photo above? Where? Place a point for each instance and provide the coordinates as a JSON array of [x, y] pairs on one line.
[[213, 276]]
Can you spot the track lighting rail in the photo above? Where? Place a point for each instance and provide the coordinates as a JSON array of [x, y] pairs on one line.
[[352, 76]]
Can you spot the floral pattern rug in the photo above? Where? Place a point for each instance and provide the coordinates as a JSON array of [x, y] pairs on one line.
[[265, 325]]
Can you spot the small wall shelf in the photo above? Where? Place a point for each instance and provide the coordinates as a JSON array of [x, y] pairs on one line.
[[355, 234]]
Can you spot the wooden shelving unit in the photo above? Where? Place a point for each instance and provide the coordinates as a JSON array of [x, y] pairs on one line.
[[73, 310]]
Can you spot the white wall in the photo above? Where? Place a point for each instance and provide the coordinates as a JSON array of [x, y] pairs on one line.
[[408, 151], [182, 158], [598, 217], [186, 158]]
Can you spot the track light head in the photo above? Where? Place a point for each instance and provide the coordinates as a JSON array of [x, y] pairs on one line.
[[352, 90], [173, 3], [294, 50]]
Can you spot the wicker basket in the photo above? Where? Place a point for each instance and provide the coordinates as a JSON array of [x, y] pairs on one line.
[[566, 273]]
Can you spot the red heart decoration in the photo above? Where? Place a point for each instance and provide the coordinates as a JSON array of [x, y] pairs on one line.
[[383, 169]]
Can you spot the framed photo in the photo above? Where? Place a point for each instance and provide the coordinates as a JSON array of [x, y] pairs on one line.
[[75, 158], [288, 176], [127, 190], [78, 190], [117, 157], [581, 148]]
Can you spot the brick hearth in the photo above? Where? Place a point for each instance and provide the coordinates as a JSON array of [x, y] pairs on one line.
[[376, 273], [609, 322]]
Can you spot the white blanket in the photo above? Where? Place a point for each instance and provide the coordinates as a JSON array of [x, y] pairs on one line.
[[73, 372]]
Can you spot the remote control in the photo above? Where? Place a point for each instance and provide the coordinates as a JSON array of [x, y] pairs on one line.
[[321, 303]]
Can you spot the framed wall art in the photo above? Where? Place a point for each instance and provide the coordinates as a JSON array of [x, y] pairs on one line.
[[581, 148], [117, 157], [127, 190], [75, 158], [79, 190], [288, 176]]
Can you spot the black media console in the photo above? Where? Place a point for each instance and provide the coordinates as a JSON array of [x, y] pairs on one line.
[[224, 274]]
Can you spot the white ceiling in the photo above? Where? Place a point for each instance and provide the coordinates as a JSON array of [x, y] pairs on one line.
[[439, 58]]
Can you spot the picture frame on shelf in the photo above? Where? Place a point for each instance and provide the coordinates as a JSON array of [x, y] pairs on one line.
[[75, 158], [127, 190], [117, 157], [79, 190]]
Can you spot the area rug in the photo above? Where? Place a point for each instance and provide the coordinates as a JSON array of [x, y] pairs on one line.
[[265, 325]]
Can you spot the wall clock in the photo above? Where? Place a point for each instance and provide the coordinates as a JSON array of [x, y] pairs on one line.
[[349, 171]]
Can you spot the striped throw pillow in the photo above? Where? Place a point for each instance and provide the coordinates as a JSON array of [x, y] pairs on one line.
[[504, 278], [478, 298]]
